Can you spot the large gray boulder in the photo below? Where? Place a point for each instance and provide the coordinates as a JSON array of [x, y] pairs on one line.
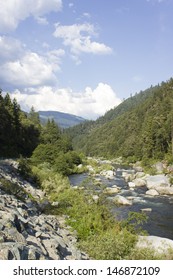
[[159, 245], [153, 182], [152, 192]]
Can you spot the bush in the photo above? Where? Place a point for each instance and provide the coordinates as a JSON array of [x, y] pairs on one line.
[[112, 244], [25, 171], [55, 184]]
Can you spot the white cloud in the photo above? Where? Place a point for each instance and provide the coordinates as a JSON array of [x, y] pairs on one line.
[[42, 20], [10, 48], [79, 38], [89, 104], [32, 69], [20, 67], [14, 11]]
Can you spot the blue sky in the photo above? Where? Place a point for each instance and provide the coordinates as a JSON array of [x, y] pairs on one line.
[[83, 56]]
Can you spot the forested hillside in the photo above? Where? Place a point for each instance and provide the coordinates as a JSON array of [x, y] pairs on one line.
[[19, 133], [22, 134], [140, 127]]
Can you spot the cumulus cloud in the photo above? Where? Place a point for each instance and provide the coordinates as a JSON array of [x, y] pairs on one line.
[[10, 48], [14, 11], [31, 69], [89, 103], [78, 37]]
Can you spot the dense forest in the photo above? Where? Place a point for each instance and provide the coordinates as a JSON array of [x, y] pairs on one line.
[[141, 127], [23, 135], [19, 132]]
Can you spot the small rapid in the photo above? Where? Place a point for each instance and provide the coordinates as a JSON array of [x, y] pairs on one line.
[[158, 209]]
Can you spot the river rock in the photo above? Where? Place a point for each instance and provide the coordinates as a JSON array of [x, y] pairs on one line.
[[131, 185], [164, 190], [140, 174], [137, 166], [122, 200], [152, 192], [153, 182], [109, 174], [159, 166], [158, 244], [146, 209], [128, 176], [111, 190], [139, 182]]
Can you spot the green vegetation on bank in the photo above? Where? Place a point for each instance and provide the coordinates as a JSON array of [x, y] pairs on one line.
[[99, 234]]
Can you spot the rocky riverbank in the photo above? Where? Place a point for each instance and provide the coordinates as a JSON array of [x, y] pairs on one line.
[[26, 233], [152, 186]]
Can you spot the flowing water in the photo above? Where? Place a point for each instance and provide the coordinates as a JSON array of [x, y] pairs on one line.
[[160, 219]]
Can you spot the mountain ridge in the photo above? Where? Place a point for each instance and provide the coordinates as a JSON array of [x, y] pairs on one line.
[[64, 120]]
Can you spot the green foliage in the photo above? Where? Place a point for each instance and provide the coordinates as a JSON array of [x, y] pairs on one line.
[[56, 149], [18, 134], [25, 170], [112, 244], [50, 181], [134, 221], [140, 127]]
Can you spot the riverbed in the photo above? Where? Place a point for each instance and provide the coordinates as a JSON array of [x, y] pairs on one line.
[[160, 219]]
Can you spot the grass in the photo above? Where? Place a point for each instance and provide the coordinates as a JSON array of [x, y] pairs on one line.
[[98, 233]]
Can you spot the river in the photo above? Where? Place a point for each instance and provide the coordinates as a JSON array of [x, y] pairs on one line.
[[160, 219]]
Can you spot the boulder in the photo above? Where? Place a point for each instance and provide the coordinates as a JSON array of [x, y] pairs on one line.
[[158, 244], [164, 190], [153, 182], [139, 182], [111, 190], [152, 192], [122, 200]]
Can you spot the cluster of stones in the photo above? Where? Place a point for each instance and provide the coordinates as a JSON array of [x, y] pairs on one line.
[[26, 233]]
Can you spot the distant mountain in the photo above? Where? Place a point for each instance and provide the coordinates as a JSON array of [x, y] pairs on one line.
[[64, 120]]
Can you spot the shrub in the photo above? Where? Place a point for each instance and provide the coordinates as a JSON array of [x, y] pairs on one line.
[[112, 244], [25, 171]]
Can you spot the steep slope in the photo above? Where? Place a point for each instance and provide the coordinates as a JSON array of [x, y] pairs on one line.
[[64, 120], [26, 233], [140, 127]]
